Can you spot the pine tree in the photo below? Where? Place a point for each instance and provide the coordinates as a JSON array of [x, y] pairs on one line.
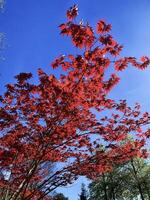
[[83, 195]]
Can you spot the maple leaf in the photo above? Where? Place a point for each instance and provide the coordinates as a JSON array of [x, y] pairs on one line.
[[23, 76], [72, 12], [102, 27]]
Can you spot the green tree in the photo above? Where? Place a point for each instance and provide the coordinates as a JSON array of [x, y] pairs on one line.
[[60, 196], [139, 172], [108, 186], [83, 195], [127, 181]]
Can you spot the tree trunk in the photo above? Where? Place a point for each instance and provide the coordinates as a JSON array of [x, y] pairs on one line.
[[112, 187], [113, 194], [147, 190], [138, 183], [105, 189]]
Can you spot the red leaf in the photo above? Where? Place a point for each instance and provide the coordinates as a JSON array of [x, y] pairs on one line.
[[102, 27], [72, 12]]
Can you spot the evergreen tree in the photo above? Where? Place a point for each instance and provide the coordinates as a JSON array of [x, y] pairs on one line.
[[60, 196], [83, 195]]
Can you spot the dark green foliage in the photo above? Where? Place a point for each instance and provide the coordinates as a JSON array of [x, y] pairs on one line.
[[60, 196], [83, 195], [126, 182]]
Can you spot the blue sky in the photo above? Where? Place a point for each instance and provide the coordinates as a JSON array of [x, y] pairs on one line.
[[33, 41]]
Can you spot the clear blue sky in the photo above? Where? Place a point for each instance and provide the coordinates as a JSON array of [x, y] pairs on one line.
[[33, 40]]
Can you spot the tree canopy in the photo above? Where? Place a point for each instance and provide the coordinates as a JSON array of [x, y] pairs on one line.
[[126, 181], [53, 121]]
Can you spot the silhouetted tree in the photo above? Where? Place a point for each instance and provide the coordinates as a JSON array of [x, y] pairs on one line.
[[60, 196], [83, 195]]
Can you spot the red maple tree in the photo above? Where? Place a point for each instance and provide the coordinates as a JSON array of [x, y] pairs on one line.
[[54, 122]]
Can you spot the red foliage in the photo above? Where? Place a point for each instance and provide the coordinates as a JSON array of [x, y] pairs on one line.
[[72, 12], [53, 121], [102, 27]]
